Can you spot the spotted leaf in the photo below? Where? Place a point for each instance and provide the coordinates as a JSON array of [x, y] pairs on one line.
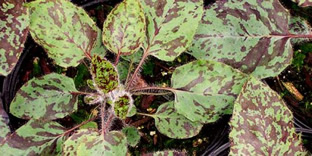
[[72, 143], [14, 29], [303, 3], [205, 90], [114, 143], [174, 125], [262, 124], [99, 48], [122, 105], [49, 97], [249, 35], [171, 25], [298, 25], [132, 134], [4, 123], [124, 28], [104, 74], [33, 138], [64, 30]]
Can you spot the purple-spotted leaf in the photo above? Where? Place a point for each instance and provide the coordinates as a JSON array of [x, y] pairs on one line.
[[166, 153], [49, 97], [99, 48], [113, 143], [14, 29], [4, 123], [56, 148], [124, 28], [298, 25], [72, 143], [104, 73], [171, 25], [64, 30], [122, 105], [174, 125], [33, 138], [250, 35], [303, 3], [262, 124], [205, 90]]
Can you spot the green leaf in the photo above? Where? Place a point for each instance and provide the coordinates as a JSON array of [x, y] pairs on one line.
[[115, 144], [87, 142], [123, 65], [174, 125], [4, 123], [47, 97], [303, 3], [135, 57], [64, 30], [91, 84], [32, 138], [124, 28], [90, 125], [54, 149], [298, 25], [205, 90], [166, 153], [71, 145], [99, 48], [14, 29], [132, 134], [262, 124], [123, 69], [132, 111], [171, 25], [104, 74], [59, 144], [249, 35], [122, 105]]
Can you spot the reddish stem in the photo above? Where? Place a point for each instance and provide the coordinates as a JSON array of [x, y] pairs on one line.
[[295, 36], [117, 58], [145, 55], [103, 119], [77, 126], [80, 93], [108, 122], [153, 88]]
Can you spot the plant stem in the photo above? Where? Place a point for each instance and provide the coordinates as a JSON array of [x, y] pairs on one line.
[[296, 36], [153, 88], [81, 93], [77, 126], [103, 118], [109, 120], [144, 114], [146, 93], [145, 55], [129, 71], [117, 58]]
